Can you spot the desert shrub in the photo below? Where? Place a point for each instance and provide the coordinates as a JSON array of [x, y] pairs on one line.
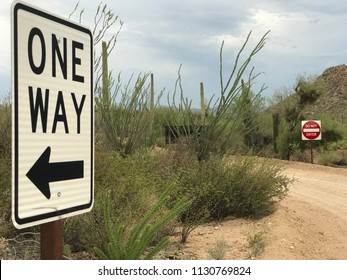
[[339, 145], [256, 244], [128, 185], [252, 188], [241, 186], [197, 182], [301, 155], [5, 195], [333, 158], [333, 146], [5, 127], [219, 250], [326, 158], [179, 167], [286, 140], [5, 162]]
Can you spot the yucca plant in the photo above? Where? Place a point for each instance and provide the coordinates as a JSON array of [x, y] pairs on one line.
[[138, 243]]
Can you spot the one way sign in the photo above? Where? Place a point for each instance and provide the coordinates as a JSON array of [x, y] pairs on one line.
[[53, 121]]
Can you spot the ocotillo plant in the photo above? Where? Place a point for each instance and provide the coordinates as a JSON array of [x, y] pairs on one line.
[[218, 128], [126, 118]]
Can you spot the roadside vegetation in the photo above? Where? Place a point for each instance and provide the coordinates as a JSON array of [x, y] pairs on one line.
[[217, 163]]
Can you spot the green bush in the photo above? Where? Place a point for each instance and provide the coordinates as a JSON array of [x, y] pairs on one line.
[[5, 162], [131, 190], [333, 145], [5, 167], [240, 186], [254, 186], [339, 145], [333, 158], [5, 127], [5, 195], [243, 186], [286, 140], [256, 244], [219, 250]]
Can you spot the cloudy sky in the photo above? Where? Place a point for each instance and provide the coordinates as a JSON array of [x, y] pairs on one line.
[[306, 38]]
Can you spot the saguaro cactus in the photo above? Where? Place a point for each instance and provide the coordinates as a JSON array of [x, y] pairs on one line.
[[105, 79], [202, 102], [275, 125], [152, 95]]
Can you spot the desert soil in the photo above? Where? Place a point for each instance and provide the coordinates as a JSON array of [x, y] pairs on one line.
[[309, 224]]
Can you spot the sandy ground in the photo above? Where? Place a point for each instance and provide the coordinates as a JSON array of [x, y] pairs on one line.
[[310, 223]]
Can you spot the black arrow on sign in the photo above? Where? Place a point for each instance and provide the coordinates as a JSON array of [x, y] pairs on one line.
[[43, 172]]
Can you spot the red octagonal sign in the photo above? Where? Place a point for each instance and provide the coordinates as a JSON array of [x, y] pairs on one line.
[[311, 130]]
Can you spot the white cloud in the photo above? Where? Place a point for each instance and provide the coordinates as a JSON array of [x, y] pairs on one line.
[[306, 37]]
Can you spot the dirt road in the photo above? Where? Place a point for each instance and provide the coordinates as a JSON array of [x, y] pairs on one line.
[[313, 220], [310, 223], [322, 186]]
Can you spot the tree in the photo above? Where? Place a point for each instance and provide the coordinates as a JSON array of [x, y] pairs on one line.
[[305, 92]]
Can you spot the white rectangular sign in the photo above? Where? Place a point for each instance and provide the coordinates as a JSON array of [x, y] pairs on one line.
[[53, 117]]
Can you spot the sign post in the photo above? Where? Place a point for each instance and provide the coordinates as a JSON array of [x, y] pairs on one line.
[[311, 130], [51, 240], [52, 119]]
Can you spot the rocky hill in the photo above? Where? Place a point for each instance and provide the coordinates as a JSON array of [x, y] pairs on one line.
[[334, 101]]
